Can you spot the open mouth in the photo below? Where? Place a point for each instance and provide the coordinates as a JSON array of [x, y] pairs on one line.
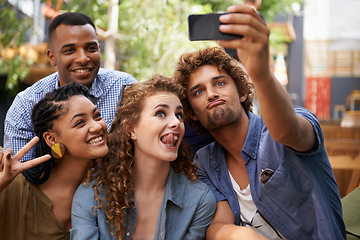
[[96, 140], [169, 139], [82, 70]]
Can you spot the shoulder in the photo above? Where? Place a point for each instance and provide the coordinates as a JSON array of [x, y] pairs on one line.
[[301, 111], [110, 77], [312, 118], [36, 91], [195, 189], [204, 155], [84, 193], [204, 152], [14, 189]]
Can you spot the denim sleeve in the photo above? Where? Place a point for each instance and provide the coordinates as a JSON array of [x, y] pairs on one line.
[[204, 214], [84, 221], [311, 117], [18, 129]]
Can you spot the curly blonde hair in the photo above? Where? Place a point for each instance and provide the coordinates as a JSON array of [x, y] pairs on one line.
[[191, 62], [115, 173]]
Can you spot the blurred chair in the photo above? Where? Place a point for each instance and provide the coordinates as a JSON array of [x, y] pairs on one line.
[[351, 214], [343, 147]]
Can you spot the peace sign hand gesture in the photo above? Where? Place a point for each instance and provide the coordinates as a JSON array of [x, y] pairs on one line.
[[10, 167]]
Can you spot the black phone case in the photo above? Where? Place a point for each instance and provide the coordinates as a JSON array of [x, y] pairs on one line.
[[206, 27]]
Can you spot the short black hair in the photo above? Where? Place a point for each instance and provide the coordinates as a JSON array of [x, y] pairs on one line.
[[48, 109], [70, 19]]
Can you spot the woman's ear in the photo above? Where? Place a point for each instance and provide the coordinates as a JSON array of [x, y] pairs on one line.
[[129, 130], [192, 115], [49, 138]]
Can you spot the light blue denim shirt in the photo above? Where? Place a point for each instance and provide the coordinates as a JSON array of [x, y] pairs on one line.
[[186, 211], [107, 89], [300, 200]]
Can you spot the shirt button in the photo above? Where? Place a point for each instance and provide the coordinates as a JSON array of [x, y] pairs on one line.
[[253, 154], [128, 234]]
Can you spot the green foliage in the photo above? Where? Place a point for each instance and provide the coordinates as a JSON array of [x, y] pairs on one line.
[[155, 36], [271, 8], [153, 33], [12, 30]]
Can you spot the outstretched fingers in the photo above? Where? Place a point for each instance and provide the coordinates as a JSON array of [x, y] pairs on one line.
[[26, 148], [6, 160], [10, 167], [32, 163]]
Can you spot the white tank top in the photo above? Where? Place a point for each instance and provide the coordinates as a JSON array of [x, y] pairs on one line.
[[249, 213]]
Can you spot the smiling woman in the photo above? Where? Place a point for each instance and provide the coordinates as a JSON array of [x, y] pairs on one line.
[[39, 201], [146, 187]]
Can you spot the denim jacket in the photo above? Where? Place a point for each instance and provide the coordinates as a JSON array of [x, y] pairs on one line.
[[301, 198], [186, 211]]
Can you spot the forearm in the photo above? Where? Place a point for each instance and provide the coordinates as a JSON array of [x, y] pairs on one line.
[[276, 109], [224, 231], [279, 115]]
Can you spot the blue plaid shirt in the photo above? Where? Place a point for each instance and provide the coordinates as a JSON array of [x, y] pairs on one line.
[[107, 88]]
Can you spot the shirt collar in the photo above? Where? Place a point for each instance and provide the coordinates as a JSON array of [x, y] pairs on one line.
[[253, 136], [97, 87], [251, 143], [174, 188]]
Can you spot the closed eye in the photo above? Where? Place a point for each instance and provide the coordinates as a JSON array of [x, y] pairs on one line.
[[78, 123]]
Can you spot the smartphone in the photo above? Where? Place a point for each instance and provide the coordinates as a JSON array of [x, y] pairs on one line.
[[206, 27]]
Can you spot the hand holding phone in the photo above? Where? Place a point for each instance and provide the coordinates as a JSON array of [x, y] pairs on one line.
[[206, 27]]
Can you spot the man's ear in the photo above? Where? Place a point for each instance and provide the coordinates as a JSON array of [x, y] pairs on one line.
[[51, 57], [192, 115], [243, 96], [49, 138]]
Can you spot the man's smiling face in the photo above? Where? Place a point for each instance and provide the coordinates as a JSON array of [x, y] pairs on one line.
[[75, 50]]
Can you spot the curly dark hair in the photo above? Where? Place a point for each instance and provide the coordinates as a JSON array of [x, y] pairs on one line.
[[44, 113], [217, 56], [115, 173]]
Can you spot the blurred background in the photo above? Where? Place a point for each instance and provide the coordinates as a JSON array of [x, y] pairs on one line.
[[315, 54]]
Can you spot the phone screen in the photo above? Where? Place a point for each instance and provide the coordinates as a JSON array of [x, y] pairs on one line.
[[206, 27]]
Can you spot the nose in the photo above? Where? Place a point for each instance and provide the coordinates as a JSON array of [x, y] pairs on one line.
[[82, 57], [174, 123], [95, 126], [211, 94]]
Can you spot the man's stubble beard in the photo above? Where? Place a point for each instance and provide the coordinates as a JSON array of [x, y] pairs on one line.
[[222, 117]]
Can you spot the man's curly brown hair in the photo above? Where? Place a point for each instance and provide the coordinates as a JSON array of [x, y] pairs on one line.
[[191, 62], [115, 173]]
